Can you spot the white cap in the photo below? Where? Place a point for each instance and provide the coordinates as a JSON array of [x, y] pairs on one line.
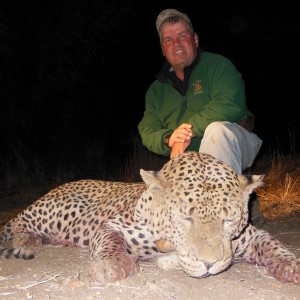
[[167, 14]]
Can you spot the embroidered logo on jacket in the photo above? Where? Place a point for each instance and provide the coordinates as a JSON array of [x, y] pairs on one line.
[[197, 87]]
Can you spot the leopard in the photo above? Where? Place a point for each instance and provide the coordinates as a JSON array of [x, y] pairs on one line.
[[190, 215]]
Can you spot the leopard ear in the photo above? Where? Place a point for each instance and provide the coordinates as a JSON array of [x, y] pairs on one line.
[[251, 182], [151, 179]]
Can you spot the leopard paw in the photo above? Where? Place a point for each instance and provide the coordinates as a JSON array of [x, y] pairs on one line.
[[113, 269], [285, 270]]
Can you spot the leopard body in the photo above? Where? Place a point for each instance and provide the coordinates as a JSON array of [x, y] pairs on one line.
[[192, 215]]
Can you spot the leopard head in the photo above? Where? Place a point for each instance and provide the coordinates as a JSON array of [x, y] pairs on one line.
[[196, 206]]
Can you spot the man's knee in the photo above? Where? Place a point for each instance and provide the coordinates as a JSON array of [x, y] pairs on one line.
[[218, 127]]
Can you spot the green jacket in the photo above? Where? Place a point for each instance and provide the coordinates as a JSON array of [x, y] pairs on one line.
[[214, 92]]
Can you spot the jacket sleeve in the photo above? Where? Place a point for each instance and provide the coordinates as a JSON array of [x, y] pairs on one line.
[[227, 97], [150, 127]]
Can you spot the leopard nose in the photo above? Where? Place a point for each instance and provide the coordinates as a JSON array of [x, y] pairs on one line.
[[208, 265]]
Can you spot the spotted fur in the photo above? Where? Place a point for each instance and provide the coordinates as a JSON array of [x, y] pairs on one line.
[[192, 215]]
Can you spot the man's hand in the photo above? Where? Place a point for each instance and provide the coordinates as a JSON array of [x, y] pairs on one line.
[[180, 139], [181, 135], [179, 148]]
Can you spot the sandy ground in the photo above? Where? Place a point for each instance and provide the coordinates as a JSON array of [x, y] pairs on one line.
[[58, 273]]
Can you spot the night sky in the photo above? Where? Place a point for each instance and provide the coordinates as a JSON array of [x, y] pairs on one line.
[[74, 73]]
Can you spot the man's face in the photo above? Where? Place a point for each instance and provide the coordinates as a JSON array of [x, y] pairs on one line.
[[178, 43]]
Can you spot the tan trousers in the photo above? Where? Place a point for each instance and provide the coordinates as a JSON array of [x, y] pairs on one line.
[[231, 143]]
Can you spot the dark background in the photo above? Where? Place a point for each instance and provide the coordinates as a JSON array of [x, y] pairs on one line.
[[74, 73]]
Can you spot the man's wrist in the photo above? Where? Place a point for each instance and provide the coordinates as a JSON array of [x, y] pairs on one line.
[[166, 140]]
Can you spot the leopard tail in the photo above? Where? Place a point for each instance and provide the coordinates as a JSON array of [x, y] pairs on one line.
[[21, 253], [6, 235]]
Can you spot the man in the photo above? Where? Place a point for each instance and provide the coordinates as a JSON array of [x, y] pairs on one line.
[[197, 102]]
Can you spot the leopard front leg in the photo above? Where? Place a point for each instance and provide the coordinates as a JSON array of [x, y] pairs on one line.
[[259, 247], [168, 261], [111, 262]]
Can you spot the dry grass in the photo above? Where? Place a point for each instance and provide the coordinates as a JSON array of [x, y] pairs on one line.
[[280, 196]]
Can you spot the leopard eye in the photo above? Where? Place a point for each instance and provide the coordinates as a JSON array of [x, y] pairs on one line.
[[227, 222], [185, 220], [188, 219]]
